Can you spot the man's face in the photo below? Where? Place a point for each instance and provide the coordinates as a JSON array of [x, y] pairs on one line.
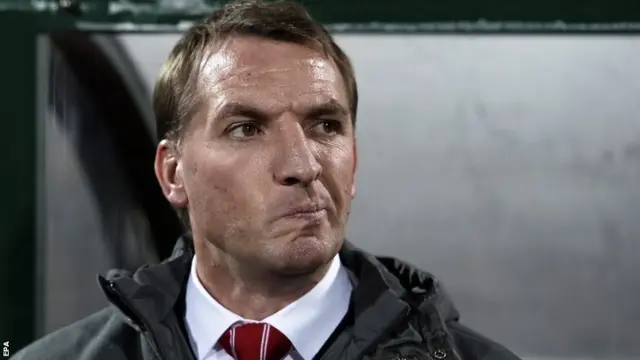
[[267, 166]]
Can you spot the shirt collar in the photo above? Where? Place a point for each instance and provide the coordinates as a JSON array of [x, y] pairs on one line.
[[201, 310], [307, 322]]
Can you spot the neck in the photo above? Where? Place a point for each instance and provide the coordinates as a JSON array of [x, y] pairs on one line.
[[251, 293]]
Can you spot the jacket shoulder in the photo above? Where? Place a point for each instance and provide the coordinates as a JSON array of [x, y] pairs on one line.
[[101, 335], [474, 346]]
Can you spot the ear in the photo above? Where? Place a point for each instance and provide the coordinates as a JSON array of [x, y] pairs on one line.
[[168, 169], [355, 165]]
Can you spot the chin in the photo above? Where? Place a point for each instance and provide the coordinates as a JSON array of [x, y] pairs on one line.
[[306, 254]]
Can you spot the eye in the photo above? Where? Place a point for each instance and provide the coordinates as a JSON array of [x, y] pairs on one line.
[[328, 127], [244, 130]]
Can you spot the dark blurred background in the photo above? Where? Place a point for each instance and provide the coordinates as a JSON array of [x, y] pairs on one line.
[[499, 146]]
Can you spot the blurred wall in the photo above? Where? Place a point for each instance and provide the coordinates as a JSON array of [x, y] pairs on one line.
[[509, 166], [90, 221]]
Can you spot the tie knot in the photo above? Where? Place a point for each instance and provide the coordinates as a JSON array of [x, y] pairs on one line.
[[255, 341]]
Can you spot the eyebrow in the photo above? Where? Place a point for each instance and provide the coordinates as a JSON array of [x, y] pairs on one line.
[[331, 107], [239, 109], [234, 108]]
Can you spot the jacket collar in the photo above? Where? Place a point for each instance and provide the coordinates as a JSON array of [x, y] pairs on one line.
[[386, 291], [389, 292]]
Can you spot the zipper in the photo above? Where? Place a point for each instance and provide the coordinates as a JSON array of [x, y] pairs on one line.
[[148, 335]]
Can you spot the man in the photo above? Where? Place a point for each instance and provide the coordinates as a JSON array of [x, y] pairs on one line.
[[256, 111]]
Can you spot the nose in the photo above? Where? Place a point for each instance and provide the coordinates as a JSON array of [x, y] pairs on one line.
[[296, 163]]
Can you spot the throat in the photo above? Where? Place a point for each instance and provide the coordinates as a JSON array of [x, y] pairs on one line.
[[256, 298]]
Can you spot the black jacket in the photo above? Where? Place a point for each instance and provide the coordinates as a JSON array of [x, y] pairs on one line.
[[397, 313]]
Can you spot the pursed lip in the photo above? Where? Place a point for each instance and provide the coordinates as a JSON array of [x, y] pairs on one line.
[[305, 211]]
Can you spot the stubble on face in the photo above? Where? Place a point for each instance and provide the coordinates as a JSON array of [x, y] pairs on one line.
[[273, 135]]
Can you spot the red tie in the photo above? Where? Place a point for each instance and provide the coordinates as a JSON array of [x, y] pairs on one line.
[[255, 341]]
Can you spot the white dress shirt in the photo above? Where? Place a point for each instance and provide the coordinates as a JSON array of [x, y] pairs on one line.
[[308, 322]]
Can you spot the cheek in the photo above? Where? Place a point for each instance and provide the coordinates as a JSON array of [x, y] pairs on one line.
[[225, 187], [206, 184], [340, 164]]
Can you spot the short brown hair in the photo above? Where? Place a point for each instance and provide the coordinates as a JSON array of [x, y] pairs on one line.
[[175, 97]]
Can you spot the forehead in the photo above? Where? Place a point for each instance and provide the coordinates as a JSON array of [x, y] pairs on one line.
[[269, 71]]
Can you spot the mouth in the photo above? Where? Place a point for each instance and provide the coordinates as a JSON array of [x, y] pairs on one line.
[[308, 212]]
